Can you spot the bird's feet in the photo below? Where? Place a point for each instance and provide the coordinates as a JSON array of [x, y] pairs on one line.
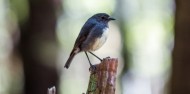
[[92, 68]]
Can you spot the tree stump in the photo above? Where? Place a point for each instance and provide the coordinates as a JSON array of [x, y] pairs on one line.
[[103, 77]]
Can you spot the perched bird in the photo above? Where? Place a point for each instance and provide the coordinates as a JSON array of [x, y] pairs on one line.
[[91, 37]]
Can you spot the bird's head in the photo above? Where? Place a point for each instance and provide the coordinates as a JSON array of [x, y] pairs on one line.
[[102, 17]]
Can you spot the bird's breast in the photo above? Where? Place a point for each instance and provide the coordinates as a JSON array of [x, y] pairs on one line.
[[100, 40]]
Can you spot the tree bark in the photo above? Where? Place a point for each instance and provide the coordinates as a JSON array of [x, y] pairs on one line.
[[103, 77], [38, 46], [180, 83]]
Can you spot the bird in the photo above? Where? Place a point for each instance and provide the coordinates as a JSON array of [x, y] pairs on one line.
[[92, 36]]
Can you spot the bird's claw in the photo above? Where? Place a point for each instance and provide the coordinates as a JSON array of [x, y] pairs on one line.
[[92, 68]]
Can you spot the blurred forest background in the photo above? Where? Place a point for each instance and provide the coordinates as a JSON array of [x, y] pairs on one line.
[[150, 38]]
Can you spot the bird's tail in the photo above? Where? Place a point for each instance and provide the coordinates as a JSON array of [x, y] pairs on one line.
[[67, 64]]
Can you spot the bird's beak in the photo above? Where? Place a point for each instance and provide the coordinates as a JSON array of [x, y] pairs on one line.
[[110, 18]]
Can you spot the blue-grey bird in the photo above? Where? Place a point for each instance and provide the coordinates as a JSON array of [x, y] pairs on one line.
[[91, 37]]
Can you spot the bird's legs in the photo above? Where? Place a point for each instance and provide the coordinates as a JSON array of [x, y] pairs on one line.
[[88, 59], [95, 55]]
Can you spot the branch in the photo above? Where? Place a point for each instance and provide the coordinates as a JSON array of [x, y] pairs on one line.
[[103, 77], [51, 90]]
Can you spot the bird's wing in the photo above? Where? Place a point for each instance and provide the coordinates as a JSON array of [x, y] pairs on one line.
[[85, 31]]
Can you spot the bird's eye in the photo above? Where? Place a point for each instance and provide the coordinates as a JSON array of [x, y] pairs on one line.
[[103, 17]]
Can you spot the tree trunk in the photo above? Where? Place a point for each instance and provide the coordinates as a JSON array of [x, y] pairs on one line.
[[38, 47], [180, 83]]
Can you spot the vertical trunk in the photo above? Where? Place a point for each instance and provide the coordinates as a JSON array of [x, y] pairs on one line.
[[38, 47], [180, 83]]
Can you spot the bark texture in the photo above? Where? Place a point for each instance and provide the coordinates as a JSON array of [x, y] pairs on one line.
[[103, 77]]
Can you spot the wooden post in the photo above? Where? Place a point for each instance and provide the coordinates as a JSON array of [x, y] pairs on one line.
[[103, 77]]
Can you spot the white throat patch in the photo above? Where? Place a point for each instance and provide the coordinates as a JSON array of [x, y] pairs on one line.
[[100, 41]]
